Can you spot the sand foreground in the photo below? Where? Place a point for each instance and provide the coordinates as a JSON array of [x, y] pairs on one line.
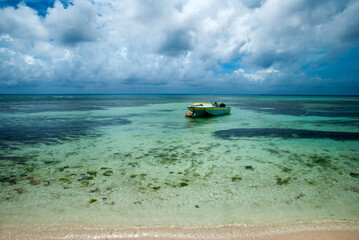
[[297, 231]]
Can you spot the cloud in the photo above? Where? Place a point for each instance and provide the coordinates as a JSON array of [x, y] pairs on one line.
[[176, 42], [258, 76], [74, 24], [22, 23], [178, 45], [343, 27]]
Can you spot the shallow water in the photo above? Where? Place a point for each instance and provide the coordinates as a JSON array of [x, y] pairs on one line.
[[137, 161]]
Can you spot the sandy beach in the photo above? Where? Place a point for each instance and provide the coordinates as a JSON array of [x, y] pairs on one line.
[[324, 230]]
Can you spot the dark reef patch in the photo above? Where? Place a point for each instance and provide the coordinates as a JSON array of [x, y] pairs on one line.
[[285, 133], [16, 159], [325, 107], [52, 121], [345, 123], [52, 103], [50, 130], [10, 179], [166, 110]]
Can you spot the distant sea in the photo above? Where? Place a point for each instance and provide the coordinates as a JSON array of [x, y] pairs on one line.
[[135, 160]]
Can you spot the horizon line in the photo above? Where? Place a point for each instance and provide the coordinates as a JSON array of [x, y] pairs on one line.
[[215, 94]]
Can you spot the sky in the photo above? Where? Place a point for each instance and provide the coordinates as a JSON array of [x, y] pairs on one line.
[[179, 46]]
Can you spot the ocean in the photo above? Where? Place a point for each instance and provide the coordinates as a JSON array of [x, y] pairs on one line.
[[135, 160]]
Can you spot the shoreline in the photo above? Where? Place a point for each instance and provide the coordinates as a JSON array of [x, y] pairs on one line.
[[321, 230]]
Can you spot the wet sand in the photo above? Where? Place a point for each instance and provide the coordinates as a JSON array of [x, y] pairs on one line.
[[298, 231]]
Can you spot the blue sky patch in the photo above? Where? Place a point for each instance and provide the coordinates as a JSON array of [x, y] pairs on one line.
[[40, 6]]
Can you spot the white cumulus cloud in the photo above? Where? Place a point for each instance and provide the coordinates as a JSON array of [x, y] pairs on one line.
[[173, 45]]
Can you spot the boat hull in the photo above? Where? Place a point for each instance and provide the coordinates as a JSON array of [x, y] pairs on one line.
[[209, 111]]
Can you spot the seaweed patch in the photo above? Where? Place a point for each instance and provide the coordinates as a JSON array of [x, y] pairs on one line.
[[285, 133]]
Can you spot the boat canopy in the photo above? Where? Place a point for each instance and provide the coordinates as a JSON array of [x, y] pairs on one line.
[[202, 104]]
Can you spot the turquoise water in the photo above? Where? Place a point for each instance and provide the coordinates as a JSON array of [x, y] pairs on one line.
[[137, 161]]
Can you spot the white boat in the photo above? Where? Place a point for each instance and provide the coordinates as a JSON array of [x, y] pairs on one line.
[[202, 109]]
